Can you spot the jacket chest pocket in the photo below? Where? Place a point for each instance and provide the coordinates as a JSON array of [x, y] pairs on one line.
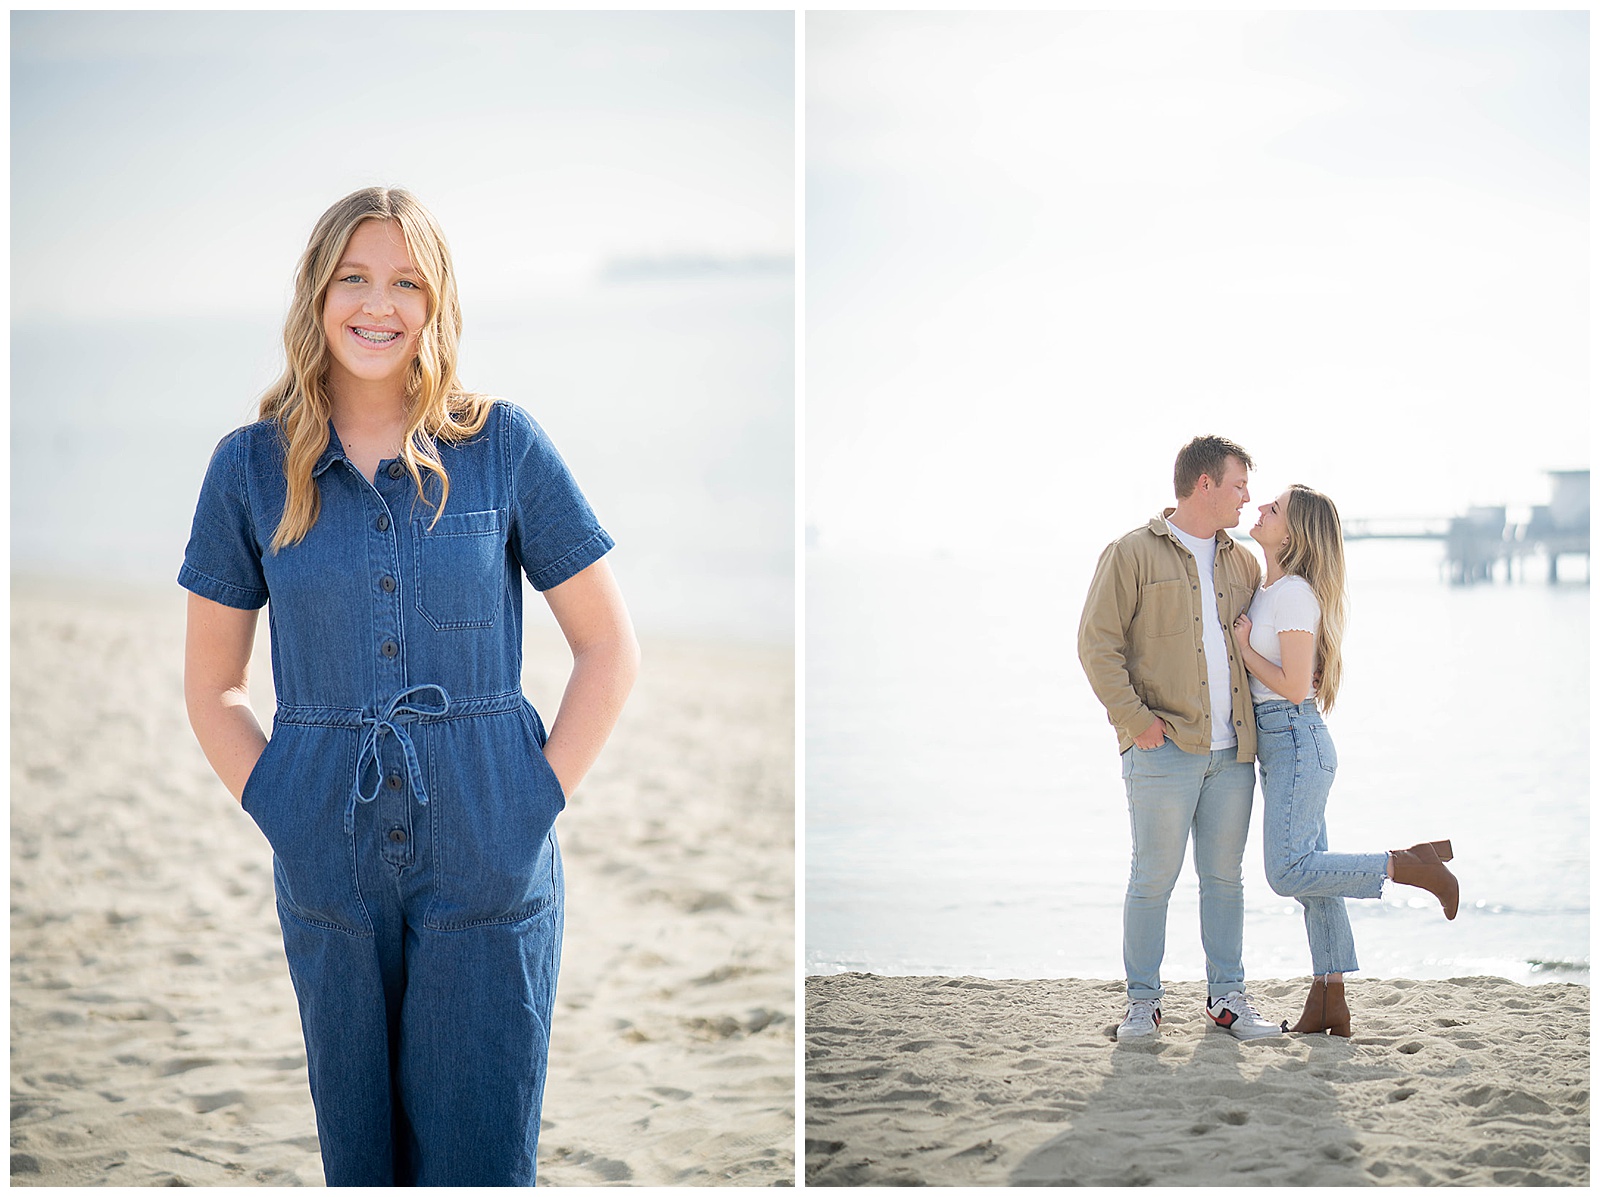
[[461, 569], [1237, 601], [1165, 609]]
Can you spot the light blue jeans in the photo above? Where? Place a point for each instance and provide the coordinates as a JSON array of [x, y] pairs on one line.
[[1298, 763], [1172, 793]]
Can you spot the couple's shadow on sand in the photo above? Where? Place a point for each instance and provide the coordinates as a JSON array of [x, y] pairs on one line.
[[1196, 1106]]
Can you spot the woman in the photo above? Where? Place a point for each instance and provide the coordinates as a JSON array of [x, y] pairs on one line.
[[1290, 641], [408, 791]]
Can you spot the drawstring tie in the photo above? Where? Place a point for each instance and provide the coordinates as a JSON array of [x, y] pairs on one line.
[[393, 719]]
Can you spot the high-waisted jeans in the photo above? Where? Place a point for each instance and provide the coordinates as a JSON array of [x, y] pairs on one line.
[[1172, 793], [1298, 762]]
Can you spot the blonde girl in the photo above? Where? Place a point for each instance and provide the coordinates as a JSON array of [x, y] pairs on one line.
[[1291, 640], [385, 515]]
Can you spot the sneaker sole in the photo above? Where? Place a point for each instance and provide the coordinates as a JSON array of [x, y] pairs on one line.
[[1273, 1033]]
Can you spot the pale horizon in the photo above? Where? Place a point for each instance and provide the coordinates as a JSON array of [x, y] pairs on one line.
[[1046, 249]]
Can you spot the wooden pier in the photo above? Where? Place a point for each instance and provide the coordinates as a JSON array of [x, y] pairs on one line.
[[1483, 540]]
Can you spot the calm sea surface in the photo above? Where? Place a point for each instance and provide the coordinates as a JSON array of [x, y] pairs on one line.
[[964, 803], [673, 402]]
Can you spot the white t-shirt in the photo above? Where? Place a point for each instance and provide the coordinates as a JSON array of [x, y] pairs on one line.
[[1211, 637], [1288, 605]]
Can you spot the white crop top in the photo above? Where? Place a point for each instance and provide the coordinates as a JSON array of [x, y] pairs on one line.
[[1288, 605]]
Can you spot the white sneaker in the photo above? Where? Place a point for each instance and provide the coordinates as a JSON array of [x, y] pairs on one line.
[[1235, 1015], [1144, 1018]]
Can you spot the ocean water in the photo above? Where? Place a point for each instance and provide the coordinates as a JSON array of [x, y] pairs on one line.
[[672, 401], [964, 805]]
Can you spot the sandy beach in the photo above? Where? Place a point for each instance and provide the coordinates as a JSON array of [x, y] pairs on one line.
[[154, 1034], [960, 1081]]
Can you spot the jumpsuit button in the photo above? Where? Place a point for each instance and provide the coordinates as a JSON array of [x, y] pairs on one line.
[[395, 781], [389, 648], [383, 523], [397, 835], [396, 469], [387, 583]]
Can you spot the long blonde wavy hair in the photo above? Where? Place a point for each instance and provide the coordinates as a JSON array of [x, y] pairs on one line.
[[1316, 552], [438, 407]]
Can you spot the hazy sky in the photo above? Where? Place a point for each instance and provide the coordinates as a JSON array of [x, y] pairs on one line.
[[1044, 249], [167, 168], [189, 153]]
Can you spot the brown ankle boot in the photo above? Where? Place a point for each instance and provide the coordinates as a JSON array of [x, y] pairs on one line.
[[1422, 866], [1311, 1016], [1325, 1010], [1443, 849]]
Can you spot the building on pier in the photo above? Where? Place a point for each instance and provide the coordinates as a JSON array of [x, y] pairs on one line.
[[1483, 539]]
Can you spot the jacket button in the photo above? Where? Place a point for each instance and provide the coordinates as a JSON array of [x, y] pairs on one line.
[[394, 781], [387, 583], [389, 648], [383, 523], [396, 469], [397, 835]]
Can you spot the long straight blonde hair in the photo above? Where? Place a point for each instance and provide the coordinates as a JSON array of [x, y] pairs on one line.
[[1316, 552], [437, 405]]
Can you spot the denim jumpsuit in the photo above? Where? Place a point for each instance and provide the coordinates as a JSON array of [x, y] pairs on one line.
[[404, 790]]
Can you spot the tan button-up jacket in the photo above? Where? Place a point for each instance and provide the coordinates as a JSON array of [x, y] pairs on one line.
[[1140, 637]]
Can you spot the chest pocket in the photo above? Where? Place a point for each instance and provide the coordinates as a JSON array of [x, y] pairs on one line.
[[461, 569], [1165, 609], [1237, 601]]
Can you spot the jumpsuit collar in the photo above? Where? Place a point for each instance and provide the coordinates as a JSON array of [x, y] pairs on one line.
[[334, 452]]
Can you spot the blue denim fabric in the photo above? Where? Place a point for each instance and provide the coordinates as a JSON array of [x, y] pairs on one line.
[[1298, 762], [404, 789], [1171, 793]]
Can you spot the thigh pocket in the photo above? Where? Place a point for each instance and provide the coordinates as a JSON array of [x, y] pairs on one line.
[[461, 569], [297, 794], [494, 799]]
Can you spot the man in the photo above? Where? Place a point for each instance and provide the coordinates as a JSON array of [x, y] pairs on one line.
[[1157, 643]]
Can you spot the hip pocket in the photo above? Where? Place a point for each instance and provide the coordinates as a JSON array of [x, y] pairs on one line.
[[1272, 722], [1327, 757], [494, 800], [461, 569], [297, 794]]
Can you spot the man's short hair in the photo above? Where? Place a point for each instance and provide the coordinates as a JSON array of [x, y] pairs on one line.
[[1205, 455]]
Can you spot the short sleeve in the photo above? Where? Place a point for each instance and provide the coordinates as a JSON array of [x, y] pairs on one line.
[[223, 560], [1297, 609], [554, 532]]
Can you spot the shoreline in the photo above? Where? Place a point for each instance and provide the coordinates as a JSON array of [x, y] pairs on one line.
[[1557, 972]]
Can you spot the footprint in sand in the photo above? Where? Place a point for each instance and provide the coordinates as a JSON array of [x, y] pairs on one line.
[[173, 1067], [204, 1103]]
